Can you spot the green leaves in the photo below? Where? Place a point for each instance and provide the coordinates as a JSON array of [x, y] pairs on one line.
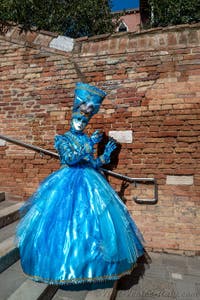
[[72, 18], [170, 12]]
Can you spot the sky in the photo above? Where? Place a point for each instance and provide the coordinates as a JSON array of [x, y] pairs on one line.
[[124, 4]]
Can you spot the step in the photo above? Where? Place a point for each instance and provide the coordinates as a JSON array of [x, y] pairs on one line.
[[2, 196], [10, 280], [9, 212], [9, 253], [8, 231], [15, 286], [108, 292], [90, 291], [70, 295], [6, 203], [32, 290]]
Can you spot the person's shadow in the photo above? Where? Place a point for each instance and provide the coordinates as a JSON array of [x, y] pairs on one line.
[[127, 281], [114, 158], [124, 283]]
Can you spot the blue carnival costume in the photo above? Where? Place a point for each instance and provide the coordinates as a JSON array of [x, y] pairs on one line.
[[75, 228]]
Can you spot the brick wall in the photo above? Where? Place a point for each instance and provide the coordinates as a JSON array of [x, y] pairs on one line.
[[152, 80]]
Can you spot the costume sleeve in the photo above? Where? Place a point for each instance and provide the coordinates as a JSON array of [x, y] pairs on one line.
[[100, 161], [68, 153]]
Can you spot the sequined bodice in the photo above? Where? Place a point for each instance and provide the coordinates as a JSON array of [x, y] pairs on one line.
[[74, 148]]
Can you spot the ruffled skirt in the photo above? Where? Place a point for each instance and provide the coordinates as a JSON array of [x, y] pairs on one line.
[[75, 229]]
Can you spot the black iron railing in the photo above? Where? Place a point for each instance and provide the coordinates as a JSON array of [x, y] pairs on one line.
[[133, 180]]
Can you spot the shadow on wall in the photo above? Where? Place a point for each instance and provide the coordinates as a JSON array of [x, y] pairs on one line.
[[115, 154], [113, 163], [127, 281]]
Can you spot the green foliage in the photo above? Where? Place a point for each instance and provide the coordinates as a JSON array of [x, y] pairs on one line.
[[170, 12], [71, 18]]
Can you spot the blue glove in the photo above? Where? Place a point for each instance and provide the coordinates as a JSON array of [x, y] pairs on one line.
[[109, 148], [96, 137]]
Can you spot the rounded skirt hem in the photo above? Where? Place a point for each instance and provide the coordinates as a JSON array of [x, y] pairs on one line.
[[81, 280]]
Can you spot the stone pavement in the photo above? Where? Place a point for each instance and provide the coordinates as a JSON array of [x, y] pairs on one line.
[[162, 276]]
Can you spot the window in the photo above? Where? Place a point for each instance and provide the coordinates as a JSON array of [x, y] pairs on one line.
[[122, 27]]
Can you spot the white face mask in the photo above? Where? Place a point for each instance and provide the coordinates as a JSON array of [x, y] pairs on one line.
[[79, 125]]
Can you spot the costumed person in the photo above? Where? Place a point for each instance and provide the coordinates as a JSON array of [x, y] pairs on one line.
[[75, 228]]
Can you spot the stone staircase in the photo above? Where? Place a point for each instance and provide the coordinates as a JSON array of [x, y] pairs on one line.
[[14, 285]]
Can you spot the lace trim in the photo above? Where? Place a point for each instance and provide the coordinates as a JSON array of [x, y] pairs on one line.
[[75, 139], [81, 280]]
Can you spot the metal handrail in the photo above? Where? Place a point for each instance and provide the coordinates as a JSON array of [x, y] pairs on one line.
[[28, 146], [108, 172]]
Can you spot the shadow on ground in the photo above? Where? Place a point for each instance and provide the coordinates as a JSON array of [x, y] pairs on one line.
[[88, 286], [128, 281]]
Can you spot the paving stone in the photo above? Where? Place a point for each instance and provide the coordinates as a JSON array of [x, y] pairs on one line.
[[197, 289], [185, 289], [183, 270], [134, 292], [194, 266], [174, 260], [192, 278], [126, 296], [156, 298], [177, 276], [190, 297], [157, 271], [154, 287], [156, 281], [156, 258], [194, 271]]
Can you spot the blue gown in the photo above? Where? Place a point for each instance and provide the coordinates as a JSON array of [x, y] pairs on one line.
[[75, 228]]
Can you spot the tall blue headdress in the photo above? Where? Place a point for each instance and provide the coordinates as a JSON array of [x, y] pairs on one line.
[[87, 100]]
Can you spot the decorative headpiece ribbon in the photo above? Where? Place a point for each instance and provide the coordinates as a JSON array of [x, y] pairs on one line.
[[87, 100]]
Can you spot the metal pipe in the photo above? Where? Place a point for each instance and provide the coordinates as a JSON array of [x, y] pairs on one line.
[[149, 201], [29, 146], [130, 179], [111, 173]]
